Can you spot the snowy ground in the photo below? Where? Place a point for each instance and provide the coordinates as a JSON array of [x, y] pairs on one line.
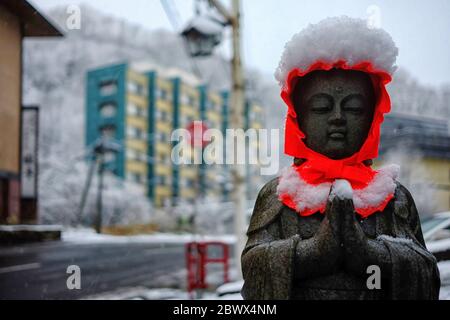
[[141, 293], [226, 292], [214, 278], [84, 235], [27, 227]]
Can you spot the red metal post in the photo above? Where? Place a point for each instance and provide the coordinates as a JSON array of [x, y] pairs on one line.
[[196, 260]]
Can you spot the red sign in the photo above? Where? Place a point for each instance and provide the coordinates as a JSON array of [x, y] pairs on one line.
[[197, 131]]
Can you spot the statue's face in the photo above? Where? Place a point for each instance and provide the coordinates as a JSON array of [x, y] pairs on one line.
[[335, 111]]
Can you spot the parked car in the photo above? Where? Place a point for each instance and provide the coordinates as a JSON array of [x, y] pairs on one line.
[[437, 227], [436, 232]]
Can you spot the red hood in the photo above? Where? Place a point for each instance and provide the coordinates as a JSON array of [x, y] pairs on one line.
[[321, 169], [294, 145]]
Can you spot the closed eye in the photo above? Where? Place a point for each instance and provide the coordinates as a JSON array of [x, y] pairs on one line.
[[354, 103], [320, 103]]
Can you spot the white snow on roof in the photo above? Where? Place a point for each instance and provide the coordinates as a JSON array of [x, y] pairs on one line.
[[186, 77], [205, 25], [167, 73], [146, 66], [338, 38]]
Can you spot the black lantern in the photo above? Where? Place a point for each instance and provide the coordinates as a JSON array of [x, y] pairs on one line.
[[202, 34]]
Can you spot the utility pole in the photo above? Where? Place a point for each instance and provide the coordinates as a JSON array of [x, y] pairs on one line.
[[237, 114], [97, 155], [85, 191], [200, 42], [98, 220]]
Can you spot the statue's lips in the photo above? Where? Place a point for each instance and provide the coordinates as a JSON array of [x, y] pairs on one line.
[[337, 134]]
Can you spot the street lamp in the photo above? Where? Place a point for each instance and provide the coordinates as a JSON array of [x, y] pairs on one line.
[[202, 35]]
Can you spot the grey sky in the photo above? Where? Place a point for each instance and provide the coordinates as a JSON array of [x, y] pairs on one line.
[[420, 28]]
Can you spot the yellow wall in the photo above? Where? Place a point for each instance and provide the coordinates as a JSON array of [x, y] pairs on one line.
[[164, 84], [10, 88], [188, 172], [257, 112], [165, 127], [139, 145], [137, 77], [188, 109], [140, 122], [137, 122], [188, 193], [437, 174], [215, 119], [139, 101], [136, 166]]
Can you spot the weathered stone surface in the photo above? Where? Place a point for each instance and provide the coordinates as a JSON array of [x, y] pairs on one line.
[[326, 256]]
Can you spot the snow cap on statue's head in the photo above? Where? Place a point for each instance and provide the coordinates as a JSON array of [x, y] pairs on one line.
[[338, 39]]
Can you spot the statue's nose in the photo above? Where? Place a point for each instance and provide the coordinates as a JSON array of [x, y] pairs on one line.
[[337, 116]]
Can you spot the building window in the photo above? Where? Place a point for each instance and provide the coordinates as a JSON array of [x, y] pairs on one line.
[[136, 133], [141, 112], [136, 88], [135, 110], [190, 183], [132, 154], [165, 116], [211, 105], [163, 158], [143, 157], [108, 109], [136, 155], [190, 100], [108, 131], [162, 116], [135, 177], [163, 137], [132, 109], [108, 87], [161, 180], [162, 94]]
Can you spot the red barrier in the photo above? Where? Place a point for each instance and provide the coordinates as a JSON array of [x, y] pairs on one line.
[[197, 259]]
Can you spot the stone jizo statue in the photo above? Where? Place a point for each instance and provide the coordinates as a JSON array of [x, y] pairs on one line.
[[331, 227]]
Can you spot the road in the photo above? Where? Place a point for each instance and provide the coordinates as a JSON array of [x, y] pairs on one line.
[[38, 271]]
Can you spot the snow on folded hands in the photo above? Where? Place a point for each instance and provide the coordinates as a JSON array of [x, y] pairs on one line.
[[342, 189]]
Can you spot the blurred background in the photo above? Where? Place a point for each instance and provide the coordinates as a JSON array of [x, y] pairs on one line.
[[91, 93]]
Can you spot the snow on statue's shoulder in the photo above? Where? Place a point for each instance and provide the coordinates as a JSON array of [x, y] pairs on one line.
[[342, 189]]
